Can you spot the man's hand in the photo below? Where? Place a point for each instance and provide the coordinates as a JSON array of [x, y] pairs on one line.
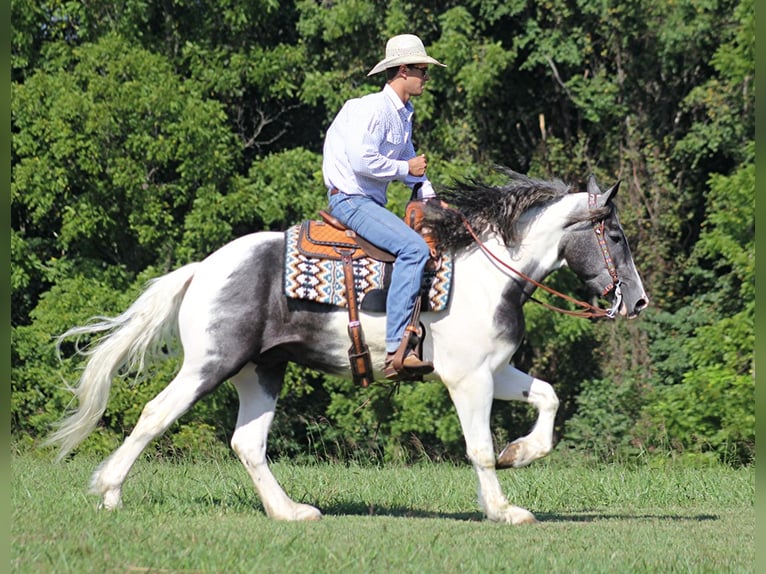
[[418, 165]]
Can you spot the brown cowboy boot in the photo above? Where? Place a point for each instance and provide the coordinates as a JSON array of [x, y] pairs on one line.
[[405, 363], [412, 367]]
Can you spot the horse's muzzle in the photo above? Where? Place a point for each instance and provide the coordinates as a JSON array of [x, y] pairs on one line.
[[640, 304]]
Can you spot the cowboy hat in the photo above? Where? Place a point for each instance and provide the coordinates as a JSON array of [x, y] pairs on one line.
[[404, 49]]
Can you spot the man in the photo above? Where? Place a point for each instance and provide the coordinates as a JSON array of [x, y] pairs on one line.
[[368, 145]]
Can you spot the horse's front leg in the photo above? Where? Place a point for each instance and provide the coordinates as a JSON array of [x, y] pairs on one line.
[[473, 402], [514, 385]]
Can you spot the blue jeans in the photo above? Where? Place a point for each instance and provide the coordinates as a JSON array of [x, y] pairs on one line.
[[384, 229]]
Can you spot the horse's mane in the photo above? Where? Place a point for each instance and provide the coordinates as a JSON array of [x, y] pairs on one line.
[[485, 206]]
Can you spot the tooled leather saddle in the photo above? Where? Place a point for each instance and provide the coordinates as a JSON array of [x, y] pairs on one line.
[[328, 238]]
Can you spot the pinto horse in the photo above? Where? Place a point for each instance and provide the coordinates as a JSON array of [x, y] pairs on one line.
[[235, 323]]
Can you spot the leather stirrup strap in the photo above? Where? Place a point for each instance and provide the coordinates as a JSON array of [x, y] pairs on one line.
[[359, 352], [410, 331]]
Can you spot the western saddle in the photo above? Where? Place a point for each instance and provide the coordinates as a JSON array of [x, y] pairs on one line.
[[330, 239]]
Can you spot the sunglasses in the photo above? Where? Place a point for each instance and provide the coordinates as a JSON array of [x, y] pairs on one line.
[[422, 69]]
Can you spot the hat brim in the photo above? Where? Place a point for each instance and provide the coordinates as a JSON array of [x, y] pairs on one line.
[[401, 60]]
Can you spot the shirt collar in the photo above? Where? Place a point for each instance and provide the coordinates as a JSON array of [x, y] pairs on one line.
[[400, 106]]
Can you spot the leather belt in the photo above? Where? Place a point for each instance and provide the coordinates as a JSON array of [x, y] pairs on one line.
[[334, 191]]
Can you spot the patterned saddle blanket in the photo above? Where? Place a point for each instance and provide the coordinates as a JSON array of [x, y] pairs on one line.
[[314, 272]]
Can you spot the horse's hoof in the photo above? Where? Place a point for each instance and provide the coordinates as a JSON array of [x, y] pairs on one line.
[[520, 453], [298, 513], [111, 501], [514, 515], [108, 503], [524, 517], [508, 456], [308, 513]]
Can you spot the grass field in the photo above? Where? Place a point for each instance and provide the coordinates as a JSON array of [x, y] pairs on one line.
[[205, 517]]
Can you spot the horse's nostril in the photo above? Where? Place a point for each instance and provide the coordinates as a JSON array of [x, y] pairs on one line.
[[641, 304]]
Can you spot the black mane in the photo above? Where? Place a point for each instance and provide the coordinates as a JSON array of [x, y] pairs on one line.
[[485, 206]]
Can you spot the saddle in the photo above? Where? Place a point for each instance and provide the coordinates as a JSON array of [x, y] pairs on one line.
[[330, 239]]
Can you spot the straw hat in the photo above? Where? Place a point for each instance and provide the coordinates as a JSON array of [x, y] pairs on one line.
[[404, 49]]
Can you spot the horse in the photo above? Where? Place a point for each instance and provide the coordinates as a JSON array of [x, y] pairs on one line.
[[235, 323]]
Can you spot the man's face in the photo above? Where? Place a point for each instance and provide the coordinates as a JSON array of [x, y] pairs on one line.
[[417, 76]]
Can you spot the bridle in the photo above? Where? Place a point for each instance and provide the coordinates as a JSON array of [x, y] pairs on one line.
[[598, 227], [591, 311]]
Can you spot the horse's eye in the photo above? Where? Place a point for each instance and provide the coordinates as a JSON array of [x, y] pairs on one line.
[[616, 237]]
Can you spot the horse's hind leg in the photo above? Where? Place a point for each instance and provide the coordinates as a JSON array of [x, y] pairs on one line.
[[258, 388], [158, 414], [514, 385]]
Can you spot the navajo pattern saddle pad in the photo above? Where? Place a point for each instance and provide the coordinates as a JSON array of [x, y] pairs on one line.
[[321, 280]]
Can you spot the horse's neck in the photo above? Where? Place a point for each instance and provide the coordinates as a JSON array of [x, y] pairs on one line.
[[537, 251]]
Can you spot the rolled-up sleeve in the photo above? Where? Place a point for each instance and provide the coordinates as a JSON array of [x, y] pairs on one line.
[[426, 189]]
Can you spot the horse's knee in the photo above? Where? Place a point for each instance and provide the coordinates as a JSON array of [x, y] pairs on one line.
[[542, 395], [481, 457]]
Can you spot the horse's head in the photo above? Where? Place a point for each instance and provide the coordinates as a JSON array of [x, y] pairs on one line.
[[593, 242], [597, 250]]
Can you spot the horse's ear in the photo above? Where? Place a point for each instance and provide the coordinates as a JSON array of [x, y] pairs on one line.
[[608, 195], [593, 186], [611, 192]]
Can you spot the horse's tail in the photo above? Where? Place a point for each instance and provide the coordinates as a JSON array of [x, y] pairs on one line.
[[133, 337]]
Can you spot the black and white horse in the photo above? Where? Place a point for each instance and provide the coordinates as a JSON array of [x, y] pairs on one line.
[[235, 323]]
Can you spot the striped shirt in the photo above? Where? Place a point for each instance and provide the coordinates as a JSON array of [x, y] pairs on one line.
[[368, 145]]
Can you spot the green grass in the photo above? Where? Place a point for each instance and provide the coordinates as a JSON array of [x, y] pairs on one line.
[[205, 517]]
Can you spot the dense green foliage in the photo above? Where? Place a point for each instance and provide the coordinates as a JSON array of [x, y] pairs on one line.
[[146, 135]]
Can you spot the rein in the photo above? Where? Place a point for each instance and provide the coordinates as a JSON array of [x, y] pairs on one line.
[[591, 311]]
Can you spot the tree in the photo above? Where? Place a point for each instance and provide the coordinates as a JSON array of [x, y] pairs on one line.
[[146, 135], [709, 405], [109, 154]]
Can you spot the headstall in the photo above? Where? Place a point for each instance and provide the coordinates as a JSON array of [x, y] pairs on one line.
[[591, 311]]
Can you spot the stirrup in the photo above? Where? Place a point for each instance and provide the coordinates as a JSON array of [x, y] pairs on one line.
[[406, 363], [412, 368], [410, 350]]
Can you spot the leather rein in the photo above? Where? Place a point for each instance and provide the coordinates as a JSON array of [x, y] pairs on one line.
[[590, 311]]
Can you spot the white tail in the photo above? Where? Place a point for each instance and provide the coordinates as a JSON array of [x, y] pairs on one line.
[[131, 339]]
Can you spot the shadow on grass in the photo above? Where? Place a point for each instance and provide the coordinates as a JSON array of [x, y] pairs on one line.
[[352, 509], [358, 509], [594, 516]]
